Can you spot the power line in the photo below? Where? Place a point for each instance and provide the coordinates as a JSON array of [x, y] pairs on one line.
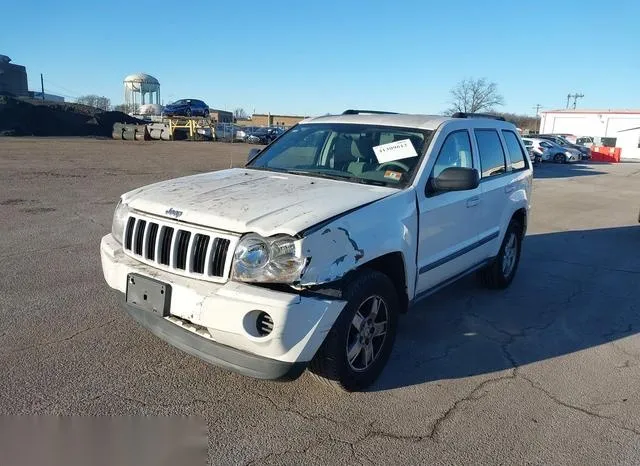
[[51, 83]]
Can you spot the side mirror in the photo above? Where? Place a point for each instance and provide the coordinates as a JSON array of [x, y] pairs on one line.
[[253, 152], [454, 179]]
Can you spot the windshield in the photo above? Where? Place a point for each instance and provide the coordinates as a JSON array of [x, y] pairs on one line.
[[381, 155]]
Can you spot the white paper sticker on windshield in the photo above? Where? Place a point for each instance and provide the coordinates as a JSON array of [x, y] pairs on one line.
[[397, 150]]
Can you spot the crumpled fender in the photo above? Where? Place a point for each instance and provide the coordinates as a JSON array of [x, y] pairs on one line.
[[338, 246]]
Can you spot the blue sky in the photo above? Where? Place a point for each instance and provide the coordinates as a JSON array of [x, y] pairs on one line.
[[314, 57]]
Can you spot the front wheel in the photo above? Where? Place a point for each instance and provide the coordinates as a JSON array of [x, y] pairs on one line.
[[206, 114], [499, 274], [560, 158], [358, 345]]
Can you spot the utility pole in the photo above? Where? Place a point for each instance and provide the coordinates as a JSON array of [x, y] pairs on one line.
[[42, 85], [537, 107], [575, 98]]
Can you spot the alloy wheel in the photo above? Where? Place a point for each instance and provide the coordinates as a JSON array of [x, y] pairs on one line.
[[367, 333], [509, 255]]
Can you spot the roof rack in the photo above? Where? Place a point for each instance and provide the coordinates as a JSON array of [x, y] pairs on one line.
[[477, 115], [375, 112]]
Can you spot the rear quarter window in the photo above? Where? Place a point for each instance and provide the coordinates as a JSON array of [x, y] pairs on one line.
[[514, 150], [492, 159]]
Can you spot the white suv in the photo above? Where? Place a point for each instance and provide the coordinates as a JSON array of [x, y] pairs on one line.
[[307, 255]]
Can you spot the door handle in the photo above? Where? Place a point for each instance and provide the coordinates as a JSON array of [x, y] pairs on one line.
[[472, 202], [510, 188]]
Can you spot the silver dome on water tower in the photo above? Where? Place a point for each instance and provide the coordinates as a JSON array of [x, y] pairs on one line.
[[137, 87]]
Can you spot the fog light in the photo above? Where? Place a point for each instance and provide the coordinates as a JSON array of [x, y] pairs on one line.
[[264, 324]]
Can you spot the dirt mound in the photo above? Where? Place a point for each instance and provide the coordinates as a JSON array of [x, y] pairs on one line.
[[20, 117]]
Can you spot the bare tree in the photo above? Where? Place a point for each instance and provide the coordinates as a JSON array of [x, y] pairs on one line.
[[124, 108], [240, 114], [474, 95], [96, 101]]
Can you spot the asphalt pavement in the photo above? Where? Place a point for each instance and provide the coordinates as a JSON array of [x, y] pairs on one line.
[[545, 372]]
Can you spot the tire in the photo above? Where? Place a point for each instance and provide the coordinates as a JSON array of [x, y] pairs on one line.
[[331, 363], [560, 158], [494, 276], [206, 114], [188, 112]]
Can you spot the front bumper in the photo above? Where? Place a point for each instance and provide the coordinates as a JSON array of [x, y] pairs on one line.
[[215, 353], [226, 314]]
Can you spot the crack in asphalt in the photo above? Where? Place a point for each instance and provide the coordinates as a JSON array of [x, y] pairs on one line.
[[307, 417], [433, 433], [580, 409], [302, 451], [161, 405], [90, 218], [438, 425], [53, 342], [39, 251], [607, 403], [582, 264], [635, 357]]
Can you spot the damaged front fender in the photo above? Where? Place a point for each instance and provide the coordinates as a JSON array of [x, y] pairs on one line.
[[348, 242]]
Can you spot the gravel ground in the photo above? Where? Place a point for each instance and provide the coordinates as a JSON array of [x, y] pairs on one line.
[[545, 372]]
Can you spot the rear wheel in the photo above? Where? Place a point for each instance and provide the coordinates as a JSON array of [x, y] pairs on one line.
[[499, 274], [188, 112], [358, 345]]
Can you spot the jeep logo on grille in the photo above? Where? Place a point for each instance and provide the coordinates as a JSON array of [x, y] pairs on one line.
[[173, 213]]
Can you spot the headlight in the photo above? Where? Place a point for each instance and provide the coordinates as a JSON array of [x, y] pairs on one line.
[[119, 219], [268, 260]]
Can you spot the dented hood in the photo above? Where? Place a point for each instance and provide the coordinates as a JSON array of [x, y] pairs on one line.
[[243, 200]]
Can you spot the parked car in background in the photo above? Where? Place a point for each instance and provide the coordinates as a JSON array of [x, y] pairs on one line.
[[569, 137], [586, 141], [534, 155], [561, 141], [186, 107], [264, 135], [243, 132], [550, 151]]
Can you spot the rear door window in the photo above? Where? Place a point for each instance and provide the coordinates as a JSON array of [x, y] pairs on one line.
[[492, 159], [514, 149]]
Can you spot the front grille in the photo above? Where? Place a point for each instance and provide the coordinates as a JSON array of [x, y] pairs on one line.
[[181, 249]]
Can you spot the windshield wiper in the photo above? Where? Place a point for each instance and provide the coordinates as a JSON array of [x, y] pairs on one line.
[[331, 176]]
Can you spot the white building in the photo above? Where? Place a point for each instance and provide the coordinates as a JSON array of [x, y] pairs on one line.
[[620, 124], [629, 141]]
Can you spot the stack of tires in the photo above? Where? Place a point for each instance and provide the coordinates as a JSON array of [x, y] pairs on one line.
[[159, 131], [128, 132]]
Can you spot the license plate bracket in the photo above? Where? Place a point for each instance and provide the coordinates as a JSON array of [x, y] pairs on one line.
[[148, 294]]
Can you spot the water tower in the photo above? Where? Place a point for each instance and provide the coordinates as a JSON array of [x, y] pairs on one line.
[[139, 89]]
